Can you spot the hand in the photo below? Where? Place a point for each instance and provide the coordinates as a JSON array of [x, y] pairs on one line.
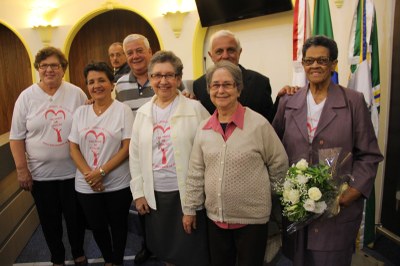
[[289, 90], [25, 179], [189, 222], [94, 180], [189, 95], [141, 206], [348, 196]]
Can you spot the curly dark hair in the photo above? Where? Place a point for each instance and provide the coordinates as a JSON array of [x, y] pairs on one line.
[[47, 52], [100, 67], [320, 40]]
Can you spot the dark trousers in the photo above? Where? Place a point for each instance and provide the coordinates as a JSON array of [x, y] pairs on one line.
[[107, 216], [54, 199], [242, 247]]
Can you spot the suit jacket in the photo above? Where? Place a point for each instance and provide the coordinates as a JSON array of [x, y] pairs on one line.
[[345, 122], [256, 93]]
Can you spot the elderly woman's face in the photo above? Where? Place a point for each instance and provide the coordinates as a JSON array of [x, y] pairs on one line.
[[51, 71], [321, 68], [99, 86], [164, 81], [223, 91]]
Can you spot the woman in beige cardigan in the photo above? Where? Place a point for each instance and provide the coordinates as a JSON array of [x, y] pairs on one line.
[[235, 155]]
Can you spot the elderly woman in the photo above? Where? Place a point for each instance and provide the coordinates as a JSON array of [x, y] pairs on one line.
[[162, 138], [40, 126], [319, 116], [235, 155], [99, 143]]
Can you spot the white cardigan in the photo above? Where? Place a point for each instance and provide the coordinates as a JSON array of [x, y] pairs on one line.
[[184, 122]]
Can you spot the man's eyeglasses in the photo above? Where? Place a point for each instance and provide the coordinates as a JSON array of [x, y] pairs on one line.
[[158, 76], [52, 66], [225, 86], [323, 60]]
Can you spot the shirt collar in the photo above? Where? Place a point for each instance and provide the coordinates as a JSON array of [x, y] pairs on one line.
[[237, 119]]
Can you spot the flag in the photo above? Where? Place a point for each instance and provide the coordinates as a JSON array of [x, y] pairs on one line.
[[364, 77], [301, 31], [364, 57], [322, 25]]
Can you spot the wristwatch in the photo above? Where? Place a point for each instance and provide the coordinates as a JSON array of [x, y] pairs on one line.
[[102, 172]]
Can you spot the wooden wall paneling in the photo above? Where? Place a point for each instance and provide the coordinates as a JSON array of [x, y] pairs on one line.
[[15, 74], [93, 39]]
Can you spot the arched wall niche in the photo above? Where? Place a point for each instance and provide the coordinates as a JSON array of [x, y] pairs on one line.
[[16, 72], [91, 37]]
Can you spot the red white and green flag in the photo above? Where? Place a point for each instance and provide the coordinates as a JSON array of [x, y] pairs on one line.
[[301, 31]]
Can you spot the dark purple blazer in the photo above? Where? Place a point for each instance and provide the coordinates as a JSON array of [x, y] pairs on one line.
[[345, 122]]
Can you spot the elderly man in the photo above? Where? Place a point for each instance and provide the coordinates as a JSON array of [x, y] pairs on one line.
[[118, 60], [134, 90], [256, 94]]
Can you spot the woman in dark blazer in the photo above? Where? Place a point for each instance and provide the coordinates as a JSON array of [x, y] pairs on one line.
[[319, 116]]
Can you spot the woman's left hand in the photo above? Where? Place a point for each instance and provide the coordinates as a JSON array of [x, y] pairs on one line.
[[348, 196], [189, 222]]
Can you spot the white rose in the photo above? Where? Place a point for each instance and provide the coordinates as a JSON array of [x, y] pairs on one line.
[[294, 196], [287, 185], [302, 179], [302, 164], [320, 207], [285, 195], [309, 205], [314, 193]]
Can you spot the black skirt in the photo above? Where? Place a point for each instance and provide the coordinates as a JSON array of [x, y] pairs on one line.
[[165, 235]]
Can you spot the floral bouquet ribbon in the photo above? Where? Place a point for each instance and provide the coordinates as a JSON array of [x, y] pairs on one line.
[[309, 192]]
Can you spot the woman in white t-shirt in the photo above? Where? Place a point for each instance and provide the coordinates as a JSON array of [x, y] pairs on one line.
[[99, 143], [40, 127]]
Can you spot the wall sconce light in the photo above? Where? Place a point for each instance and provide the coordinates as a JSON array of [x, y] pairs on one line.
[[175, 20], [45, 33]]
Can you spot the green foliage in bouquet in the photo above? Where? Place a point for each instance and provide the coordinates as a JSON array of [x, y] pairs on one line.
[[307, 191]]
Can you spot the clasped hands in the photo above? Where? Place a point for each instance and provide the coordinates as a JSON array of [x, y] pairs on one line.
[[94, 180]]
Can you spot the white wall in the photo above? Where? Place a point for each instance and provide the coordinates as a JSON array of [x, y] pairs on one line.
[[266, 40]]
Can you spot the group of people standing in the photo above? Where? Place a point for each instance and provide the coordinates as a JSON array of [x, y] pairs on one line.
[[199, 172]]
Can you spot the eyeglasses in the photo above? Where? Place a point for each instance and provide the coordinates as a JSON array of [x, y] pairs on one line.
[[323, 60], [52, 66], [225, 86], [168, 76]]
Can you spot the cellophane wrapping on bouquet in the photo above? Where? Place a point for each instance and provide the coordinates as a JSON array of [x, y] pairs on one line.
[[310, 192]]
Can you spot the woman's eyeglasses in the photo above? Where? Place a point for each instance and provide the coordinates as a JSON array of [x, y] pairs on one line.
[[52, 66], [168, 76], [323, 61]]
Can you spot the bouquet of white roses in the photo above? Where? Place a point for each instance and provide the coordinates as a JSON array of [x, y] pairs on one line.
[[308, 192]]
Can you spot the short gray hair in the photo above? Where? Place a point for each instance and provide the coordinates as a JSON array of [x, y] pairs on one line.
[[224, 33], [233, 69], [166, 57], [134, 37]]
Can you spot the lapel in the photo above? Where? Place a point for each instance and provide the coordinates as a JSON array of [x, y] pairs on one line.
[[297, 103], [334, 100]]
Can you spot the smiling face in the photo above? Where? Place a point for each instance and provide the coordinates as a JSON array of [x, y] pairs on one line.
[[50, 76], [166, 86], [138, 56], [319, 74], [99, 86], [223, 90]]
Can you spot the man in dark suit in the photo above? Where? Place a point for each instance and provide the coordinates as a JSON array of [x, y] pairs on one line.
[[256, 94]]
